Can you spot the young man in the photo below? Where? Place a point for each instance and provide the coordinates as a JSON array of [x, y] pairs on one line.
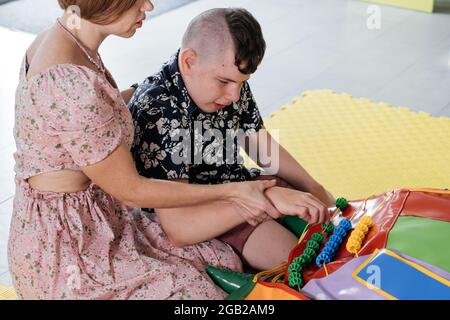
[[187, 119]]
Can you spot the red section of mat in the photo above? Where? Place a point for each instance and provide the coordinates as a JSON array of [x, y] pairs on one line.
[[385, 211]]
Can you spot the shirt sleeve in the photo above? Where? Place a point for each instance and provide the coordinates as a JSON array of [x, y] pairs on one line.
[[160, 151], [250, 119], [78, 109]]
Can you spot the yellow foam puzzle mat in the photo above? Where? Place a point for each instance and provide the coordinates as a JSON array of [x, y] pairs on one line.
[[357, 148], [7, 293], [420, 5]]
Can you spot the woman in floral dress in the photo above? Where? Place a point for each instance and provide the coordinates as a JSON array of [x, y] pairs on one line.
[[73, 233]]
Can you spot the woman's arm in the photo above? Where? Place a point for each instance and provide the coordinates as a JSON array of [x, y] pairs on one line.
[[117, 175], [191, 225]]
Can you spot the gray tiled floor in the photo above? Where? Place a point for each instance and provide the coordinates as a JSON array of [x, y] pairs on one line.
[[7, 173], [446, 111], [5, 219], [312, 44], [34, 15], [425, 75]]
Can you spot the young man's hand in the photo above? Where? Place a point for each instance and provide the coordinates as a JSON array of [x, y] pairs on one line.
[[330, 199], [325, 196], [296, 203]]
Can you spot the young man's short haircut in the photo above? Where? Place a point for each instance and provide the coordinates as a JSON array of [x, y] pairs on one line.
[[213, 28]]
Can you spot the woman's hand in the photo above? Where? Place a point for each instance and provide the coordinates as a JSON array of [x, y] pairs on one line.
[[296, 203], [250, 199]]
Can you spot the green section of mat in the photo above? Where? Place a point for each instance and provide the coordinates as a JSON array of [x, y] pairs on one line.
[[424, 239]]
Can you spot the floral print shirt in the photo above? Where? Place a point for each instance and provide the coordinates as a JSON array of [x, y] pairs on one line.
[[170, 131]]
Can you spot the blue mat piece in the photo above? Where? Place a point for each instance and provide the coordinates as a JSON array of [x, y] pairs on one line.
[[397, 278]]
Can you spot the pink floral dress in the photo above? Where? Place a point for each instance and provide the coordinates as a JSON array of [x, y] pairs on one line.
[[87, 245]]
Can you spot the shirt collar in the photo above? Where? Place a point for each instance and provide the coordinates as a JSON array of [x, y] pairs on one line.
[[180, 88]]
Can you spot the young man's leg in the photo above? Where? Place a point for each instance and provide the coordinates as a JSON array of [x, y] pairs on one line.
[[265, 246], [261, 247], [268, 246]]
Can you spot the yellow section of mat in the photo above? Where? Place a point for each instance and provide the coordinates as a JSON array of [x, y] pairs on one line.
[[420, 5], [357, 148], [7, 293]]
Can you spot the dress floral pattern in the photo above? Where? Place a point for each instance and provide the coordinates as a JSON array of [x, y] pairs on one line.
[[161, 108], [87, 245]]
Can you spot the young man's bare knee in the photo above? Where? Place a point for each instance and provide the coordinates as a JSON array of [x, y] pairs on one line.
[[268, 246]]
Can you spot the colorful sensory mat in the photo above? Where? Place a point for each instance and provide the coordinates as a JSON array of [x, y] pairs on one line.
[[357, 148], [390, 246]]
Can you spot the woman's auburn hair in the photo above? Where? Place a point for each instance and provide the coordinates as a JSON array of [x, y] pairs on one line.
[[99, 11]]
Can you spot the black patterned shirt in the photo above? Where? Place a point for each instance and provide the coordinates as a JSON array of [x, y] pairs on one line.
[[174, 139]]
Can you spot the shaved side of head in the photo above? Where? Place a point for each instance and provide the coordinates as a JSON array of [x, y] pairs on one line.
[[208, 34], [214, 31]]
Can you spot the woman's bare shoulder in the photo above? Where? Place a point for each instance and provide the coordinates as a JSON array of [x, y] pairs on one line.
[[35, 44], [49, 49]]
